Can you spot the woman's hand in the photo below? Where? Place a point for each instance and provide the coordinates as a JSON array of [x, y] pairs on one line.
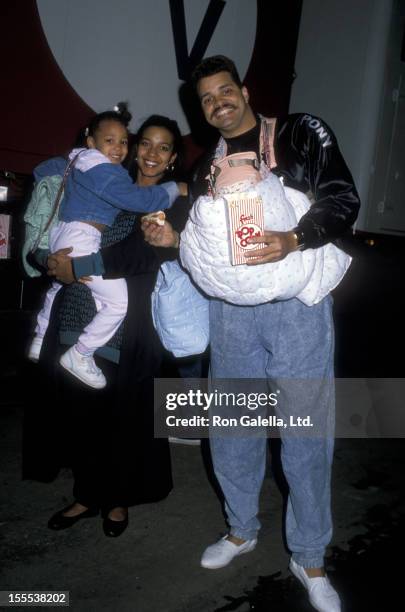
[[160, 235], [60, 266]]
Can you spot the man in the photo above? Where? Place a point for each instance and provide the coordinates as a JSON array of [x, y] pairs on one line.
[[280, 341]]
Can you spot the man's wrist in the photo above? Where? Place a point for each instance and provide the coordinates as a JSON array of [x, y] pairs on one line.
[[299, 238]]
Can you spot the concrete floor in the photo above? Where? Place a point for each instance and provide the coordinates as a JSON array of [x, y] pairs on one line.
[[154, 566]]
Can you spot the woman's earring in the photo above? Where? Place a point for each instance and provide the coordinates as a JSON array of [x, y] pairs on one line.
[[170, 167]]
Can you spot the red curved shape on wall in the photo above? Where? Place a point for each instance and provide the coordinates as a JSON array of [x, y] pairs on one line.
[[41, 113]]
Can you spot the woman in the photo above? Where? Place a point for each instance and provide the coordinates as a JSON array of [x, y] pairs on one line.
[[107, 435]]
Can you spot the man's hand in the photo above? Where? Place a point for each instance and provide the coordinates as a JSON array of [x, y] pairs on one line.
[[160, 235], [60, 266], [279, 245]]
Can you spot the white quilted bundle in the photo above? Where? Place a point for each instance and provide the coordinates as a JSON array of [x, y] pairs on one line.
[[204, 250]]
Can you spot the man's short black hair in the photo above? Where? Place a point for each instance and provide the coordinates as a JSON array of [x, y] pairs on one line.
[[213, 65]]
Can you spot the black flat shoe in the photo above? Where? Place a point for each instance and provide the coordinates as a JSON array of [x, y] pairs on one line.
[[113, 529], [59, 521]]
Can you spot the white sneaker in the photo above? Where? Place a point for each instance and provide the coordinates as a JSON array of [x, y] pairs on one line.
[[35, 348], [83, 367], [222, 552], [322, 595]]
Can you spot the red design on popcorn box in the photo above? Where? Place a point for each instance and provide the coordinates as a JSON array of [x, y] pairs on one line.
[[245, 220]]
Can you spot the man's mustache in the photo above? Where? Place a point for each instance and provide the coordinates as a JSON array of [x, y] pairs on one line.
[[222, 107]]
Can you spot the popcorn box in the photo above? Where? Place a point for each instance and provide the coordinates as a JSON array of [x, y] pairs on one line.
[[245, 219], [5, 236]]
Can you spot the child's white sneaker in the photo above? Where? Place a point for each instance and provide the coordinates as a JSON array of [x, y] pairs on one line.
[[83, 367], [35, 348]]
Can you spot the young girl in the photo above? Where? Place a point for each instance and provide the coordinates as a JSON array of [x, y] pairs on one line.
[[96, 189]]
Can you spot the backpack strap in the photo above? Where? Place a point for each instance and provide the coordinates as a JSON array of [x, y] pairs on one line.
[[267, 141], [57, 200], [267, 132]]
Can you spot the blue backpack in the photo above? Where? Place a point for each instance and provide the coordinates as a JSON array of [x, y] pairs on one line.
[[40, 217], [180, 312], [42, 214]]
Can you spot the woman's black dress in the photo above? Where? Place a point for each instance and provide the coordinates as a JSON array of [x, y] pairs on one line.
[[106, 436]]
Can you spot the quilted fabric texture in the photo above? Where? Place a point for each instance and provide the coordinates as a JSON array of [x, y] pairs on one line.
[[179, 312], [204, 250], [36, 216]]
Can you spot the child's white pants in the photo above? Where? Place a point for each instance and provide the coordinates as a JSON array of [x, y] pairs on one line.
[[110, 296]]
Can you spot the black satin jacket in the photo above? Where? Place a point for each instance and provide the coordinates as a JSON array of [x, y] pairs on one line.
[[308, 158]]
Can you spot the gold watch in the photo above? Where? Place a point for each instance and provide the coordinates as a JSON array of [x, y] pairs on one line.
[[299, 238]]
